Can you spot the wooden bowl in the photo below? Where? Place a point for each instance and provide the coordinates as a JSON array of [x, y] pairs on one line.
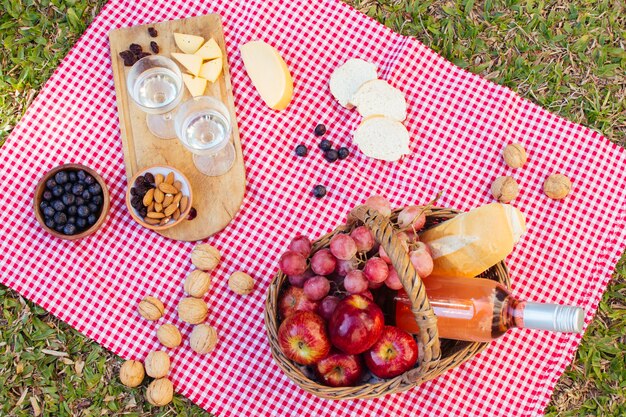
[[164, 170], [41, 187]]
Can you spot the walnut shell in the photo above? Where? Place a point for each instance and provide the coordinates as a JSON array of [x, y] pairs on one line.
[[132, 373], [160, 392], [557, 186], [515, 155], [505, 189], [241, 283], [169, 335], [192, 310], [203, 338], [205, 257], [157, 364], [151, 308], [197, 283]]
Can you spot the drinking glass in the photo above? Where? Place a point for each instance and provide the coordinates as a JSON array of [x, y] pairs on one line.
[[155, 84], [204, 127]]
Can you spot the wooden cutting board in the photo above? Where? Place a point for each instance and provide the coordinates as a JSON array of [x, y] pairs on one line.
[[216, 199]]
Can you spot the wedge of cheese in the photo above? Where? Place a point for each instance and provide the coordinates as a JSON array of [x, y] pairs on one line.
[[269, 73], [210, 50], [195, 85], [189, 44], [211, 70], [192, 63]]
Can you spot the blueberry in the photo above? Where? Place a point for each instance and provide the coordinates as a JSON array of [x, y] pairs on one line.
[[68, 199], [319, 191], [51, 183], [89, 179], [91, 219], [57, 191], [72, 210], [47, 195], [86, 195], [71, 220], [77, 189], [81, 175], [58, 205], [72, 176], [81, 223], [97, 200], [68, 187], [95, 189], [325, 144], [83, 211], [79, 201], [48, 212], [60, 218], [331, 155], [59, 228], [301, 150], [320, 129], [69, 229], [92, 208], [343, 152], [61, 177], [49, 223], [44, 204], [133, 191]]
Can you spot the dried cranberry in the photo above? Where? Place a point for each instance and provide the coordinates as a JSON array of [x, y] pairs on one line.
[[128, 57], [135, 49], [192, 214], [153, 32], [154, 47], [144, 54]]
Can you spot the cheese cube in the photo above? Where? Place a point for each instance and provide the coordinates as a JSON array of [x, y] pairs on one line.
[[195, 85], [211, 70], [188, 43], [210, 50], [193, 63]]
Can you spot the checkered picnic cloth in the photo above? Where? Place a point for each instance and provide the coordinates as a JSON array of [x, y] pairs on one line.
[[459, 124]]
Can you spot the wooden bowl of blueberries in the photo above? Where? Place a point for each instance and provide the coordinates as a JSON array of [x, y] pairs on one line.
[[71, 201]]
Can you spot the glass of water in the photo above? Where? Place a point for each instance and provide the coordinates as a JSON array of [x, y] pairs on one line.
[[155, 84], [204, 127]]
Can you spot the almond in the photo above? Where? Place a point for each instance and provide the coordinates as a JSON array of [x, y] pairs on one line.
[[147, 199], [167, 188], [151, 221], [169, 179], [155, 215], [158, 207], [169, 210], [178, 185], [164, 220], [177, 198], [176, 214], [158, 196], [158, 179], [168, 200], [183, 204], [151, 206]]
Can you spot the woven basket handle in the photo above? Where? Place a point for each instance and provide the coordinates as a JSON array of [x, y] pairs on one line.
[[385, 235]]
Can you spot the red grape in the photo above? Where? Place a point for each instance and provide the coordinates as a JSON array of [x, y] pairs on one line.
[[375, 285], [412, 217], [342, 247], [323, 262], [302, 245], [393, 280], [355, 282], [316, 288], [327, 306], [298, 280], [363, 238], [343, 267], [421, 260], [376, 270], [292, 263], [380, 204], [292, 300], [383, 254]]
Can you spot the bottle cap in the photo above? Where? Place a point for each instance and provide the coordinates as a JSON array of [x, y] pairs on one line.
[[553, 317]]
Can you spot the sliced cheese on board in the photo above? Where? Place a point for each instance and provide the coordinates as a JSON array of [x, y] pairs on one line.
[[269, 73], [210, 50], [192, 63], [195, 85], [211, 70], [188, 43]]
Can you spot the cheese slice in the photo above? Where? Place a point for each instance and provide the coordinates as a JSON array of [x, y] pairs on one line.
[[211, 70], [195, 85], [188, 43], [269, 73], [210, 50], [193, 63]]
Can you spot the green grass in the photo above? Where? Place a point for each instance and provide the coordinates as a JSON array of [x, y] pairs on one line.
[[567, 56]]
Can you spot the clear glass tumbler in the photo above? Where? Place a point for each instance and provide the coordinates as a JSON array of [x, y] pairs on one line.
[[155, 84], [204, 127]]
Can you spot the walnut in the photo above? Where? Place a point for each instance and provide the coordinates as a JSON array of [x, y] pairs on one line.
[[151, 308], [160, 392], [157, 364], [131, 373], [169, 335], [241, 283], [515, 155], [192, 310], [505, 189], [205, 257], [557, 186], [197, 283], [203, 338]]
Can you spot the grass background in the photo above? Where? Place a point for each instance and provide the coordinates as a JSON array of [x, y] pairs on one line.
[[567, 56]]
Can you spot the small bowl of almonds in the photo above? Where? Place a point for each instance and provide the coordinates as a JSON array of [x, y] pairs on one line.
[[159, 197]]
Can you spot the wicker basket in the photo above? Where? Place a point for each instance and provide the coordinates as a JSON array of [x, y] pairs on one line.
[[436, 356]]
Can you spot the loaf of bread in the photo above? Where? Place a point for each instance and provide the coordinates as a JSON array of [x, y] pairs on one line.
[[472, 242], [382, 138], [349, 77], [378, 97]]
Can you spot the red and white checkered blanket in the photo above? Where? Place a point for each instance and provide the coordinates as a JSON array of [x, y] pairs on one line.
[[459, 124]]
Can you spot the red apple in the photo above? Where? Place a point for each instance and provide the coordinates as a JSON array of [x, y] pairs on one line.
[[292, 300], [356, 324], [302, 337], [394, 353], [339, 369]]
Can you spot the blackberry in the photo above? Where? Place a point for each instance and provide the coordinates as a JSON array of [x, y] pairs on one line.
[[301, 150], [319, 191], [325, 144], [343, 152], [331, 155], [320, 130]]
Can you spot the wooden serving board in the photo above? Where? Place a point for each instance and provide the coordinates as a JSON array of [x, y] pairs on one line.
[[216, 199]]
